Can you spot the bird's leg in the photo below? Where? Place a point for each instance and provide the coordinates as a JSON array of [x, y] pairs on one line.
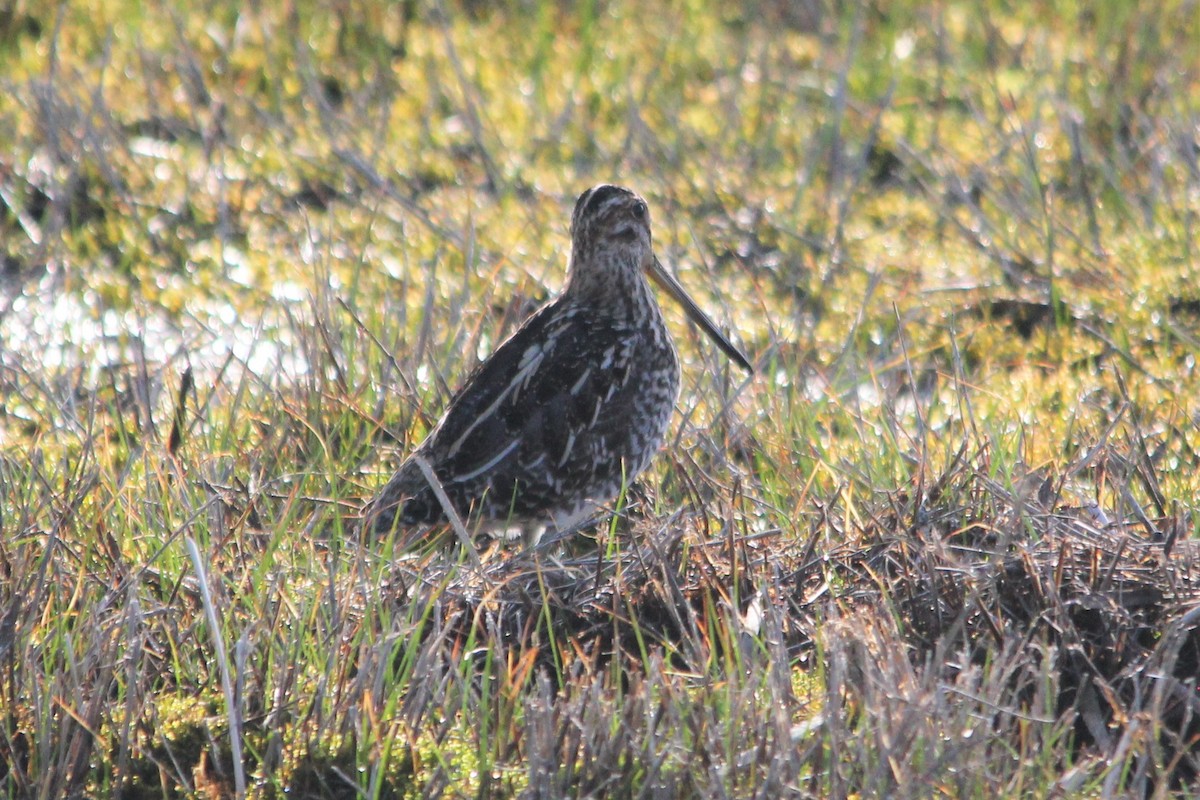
[[531, 533]]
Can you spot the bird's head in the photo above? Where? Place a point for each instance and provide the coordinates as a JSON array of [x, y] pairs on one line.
[[611, 248], [610, 224]]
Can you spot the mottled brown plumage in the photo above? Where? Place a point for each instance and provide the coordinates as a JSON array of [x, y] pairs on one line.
[[575, 403]]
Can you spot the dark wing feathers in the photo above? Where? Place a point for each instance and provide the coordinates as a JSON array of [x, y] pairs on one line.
[[534, 422], [478, 425], [537, 394]]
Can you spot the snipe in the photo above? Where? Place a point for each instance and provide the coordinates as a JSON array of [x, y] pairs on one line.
[[571, 406]]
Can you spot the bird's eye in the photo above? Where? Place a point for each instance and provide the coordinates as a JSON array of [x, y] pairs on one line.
[[639, 209]]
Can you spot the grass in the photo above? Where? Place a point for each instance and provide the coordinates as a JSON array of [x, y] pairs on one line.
[[248, 253]]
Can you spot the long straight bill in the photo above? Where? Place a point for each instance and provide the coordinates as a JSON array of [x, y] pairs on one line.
[[671, 286]]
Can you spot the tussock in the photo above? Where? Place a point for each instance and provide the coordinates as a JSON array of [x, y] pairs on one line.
[[1035, 593], [1111, 606], [661, 586]]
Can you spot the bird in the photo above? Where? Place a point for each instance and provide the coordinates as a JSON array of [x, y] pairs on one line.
[[568, 409]]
